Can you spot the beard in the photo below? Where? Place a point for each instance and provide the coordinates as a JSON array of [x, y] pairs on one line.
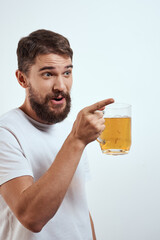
[[42, 109]]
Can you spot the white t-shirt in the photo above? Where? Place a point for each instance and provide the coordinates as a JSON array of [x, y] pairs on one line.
[[28, 147]]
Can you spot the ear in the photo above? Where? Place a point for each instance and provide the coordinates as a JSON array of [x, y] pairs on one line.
[[21, 77]]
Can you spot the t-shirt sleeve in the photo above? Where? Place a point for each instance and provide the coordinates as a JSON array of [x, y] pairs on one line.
[[13, 162]]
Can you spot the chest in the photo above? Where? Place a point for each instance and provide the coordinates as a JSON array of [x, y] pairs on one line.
[[41, 147]]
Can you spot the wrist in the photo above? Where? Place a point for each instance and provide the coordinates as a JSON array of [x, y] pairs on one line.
[[76, 143]]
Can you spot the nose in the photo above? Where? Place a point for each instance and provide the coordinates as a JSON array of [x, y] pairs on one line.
[[59, 84]]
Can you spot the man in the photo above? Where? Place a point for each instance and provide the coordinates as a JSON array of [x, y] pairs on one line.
[[42, 157]]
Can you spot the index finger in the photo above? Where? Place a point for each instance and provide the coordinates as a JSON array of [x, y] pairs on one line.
[[100, 105]]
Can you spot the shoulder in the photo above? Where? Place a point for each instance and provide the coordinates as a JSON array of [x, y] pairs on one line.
[[13, 116], [13, 124]]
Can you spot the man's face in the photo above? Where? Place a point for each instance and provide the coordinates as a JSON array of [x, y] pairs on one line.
[[49, 84]]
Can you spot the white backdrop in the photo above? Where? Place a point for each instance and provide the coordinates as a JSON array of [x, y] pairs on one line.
[[116, 54]]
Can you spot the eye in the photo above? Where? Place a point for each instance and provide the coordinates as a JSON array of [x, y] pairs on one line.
[[67, 73], [47, 74]]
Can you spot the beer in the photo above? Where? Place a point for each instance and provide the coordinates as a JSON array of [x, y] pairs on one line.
[[116, 138]]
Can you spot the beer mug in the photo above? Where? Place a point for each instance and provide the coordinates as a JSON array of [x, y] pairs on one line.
[[116, 137]]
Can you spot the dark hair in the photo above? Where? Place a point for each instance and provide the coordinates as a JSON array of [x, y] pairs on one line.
[[41, 42]]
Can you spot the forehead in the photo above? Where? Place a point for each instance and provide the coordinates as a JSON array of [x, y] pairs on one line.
[[53, 60]]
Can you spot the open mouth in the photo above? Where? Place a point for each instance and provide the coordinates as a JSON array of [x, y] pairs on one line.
[[58, 100]]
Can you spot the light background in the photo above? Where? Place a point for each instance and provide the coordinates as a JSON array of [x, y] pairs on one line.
[[116, 54]]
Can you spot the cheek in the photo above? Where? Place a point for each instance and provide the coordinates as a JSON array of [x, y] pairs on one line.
[[44, 88], [41, 92], [69, 86]]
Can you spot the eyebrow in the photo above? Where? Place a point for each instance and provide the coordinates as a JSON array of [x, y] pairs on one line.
[[51, 68]]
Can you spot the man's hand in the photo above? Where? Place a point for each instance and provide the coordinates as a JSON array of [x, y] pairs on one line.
[[90, 123]]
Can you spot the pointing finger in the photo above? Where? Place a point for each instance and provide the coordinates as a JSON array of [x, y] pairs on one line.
[[100, 105]]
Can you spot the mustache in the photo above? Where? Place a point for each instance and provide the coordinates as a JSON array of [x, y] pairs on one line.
[[56, 94]]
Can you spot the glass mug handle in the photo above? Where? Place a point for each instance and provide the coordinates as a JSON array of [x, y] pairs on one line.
[[99, 139]]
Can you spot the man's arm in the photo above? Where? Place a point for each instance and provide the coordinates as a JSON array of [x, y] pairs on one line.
[[35, 203], [92, 226]]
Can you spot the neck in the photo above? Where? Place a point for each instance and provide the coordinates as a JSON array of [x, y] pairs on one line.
[[26, 108]]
